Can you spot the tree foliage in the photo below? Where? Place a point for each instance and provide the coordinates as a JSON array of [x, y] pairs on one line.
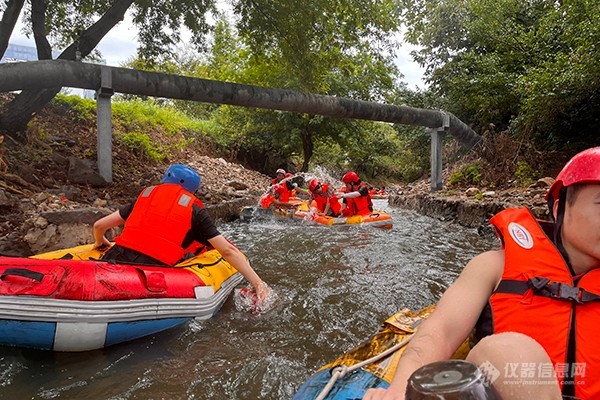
[[340, 48], [531, 65]]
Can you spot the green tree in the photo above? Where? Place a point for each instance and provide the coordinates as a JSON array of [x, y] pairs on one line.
[[78, 26], [529, 64], [342, 48]]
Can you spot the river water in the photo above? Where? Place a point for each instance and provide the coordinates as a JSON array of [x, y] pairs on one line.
[[335, 287]]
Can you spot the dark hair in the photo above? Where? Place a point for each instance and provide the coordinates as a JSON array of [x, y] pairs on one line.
[[573, 192]]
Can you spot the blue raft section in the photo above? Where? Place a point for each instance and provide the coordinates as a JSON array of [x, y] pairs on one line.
[[350, 387]]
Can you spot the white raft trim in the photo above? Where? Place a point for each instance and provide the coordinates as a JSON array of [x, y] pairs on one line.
[[35, 308]]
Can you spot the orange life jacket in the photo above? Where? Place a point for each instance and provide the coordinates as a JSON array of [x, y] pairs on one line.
[[282, 193], [360, 205], [266, 200], [160, 220], [325, 196], [539, 297]]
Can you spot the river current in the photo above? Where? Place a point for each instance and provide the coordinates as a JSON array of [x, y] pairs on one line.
[[335, 287]]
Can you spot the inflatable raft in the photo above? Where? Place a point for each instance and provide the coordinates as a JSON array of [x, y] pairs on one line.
[[372, 364], [377, 219], [68, 300]]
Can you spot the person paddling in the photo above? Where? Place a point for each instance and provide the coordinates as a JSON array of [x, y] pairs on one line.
[[165, 222], [356, 196], [534, 304]]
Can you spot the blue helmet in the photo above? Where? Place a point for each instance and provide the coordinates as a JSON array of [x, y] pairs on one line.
[[183, 176]]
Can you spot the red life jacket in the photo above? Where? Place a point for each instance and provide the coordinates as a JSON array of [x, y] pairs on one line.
[[266, 200], [282, 193], [325, 196], [161, 217], [539, 297], [360, 205]]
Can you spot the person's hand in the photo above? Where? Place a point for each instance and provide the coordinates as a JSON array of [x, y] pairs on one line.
[[103, 245], [381, 394], [262, 291]]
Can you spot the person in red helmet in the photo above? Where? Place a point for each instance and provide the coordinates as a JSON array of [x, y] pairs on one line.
[[165, 223], [324, 199], [534, 304], [356, 196]]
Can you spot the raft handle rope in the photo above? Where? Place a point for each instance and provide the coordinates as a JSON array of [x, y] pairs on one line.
[[342, 370], [25, 273]]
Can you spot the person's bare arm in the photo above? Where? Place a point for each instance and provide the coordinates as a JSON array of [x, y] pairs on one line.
[[453, 320], [238, 260], [284, 205], [104, 224]]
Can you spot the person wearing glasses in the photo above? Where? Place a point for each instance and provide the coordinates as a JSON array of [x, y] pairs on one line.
[[324, 199]]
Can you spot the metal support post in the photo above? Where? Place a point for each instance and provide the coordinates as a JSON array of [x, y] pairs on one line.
[[437, 138], [104, 124]]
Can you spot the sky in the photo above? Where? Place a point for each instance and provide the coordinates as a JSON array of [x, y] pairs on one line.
[[121, 42]]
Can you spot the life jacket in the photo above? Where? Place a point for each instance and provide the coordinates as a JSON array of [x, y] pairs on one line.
[[327, 195], [360, 205], [539, 297], [159, 221], [282, 193], [266, 200]]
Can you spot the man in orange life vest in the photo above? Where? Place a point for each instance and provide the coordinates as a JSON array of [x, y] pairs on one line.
[[279, 175], [278, 196], [165, 222], [324, 200], [535, 302], [356, 197]]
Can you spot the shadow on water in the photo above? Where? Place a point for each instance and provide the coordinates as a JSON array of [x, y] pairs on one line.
[[335, 287]]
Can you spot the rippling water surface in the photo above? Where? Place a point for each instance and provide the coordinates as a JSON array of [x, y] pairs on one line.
[[335, 287]]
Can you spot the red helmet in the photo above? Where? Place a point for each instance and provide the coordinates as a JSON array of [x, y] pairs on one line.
[[583, 167], [312, 185], [350, 177]]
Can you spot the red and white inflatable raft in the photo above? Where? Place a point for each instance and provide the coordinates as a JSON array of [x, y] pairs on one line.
[[69, 300]]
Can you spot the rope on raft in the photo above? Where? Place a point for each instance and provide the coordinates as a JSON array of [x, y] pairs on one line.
[[342, 370]]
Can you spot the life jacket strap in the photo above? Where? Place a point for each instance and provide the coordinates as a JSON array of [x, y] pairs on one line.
[[542, 286]]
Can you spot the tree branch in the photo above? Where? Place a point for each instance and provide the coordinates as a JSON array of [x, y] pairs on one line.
[[90, 38], [9, 20], [21, 109], [38, 26]]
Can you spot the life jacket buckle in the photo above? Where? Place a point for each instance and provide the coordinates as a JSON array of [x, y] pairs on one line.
[[538, 282], [569, 292]]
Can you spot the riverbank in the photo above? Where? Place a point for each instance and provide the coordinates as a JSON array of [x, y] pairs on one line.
[[51, 193], [471, 207]]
